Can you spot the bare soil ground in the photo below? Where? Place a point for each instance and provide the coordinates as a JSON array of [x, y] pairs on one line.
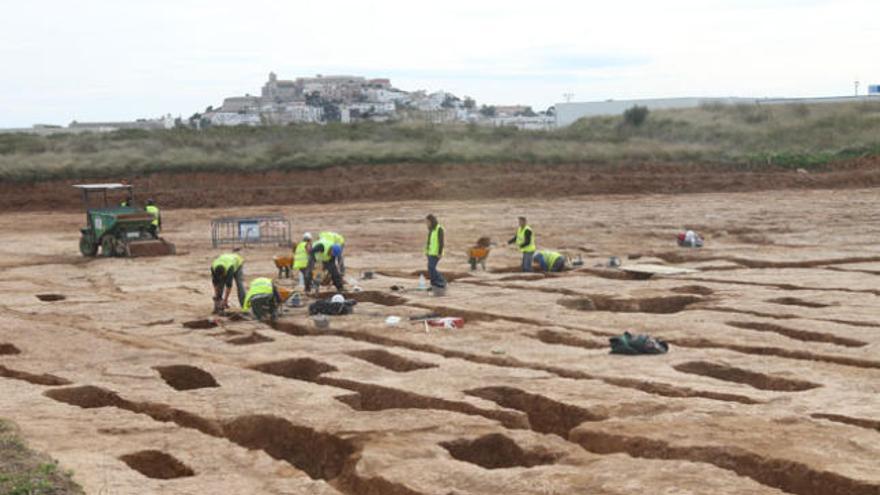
[[771, 385], [374, 183]]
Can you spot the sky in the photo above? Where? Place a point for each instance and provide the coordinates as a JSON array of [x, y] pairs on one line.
[[104, 60]]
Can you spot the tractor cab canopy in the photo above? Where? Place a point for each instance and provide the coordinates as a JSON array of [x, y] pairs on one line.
[[97, 193]]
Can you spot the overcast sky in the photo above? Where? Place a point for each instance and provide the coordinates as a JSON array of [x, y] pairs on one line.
[[122, 59]]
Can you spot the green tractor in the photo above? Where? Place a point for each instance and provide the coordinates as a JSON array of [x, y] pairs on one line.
[[121, 230]]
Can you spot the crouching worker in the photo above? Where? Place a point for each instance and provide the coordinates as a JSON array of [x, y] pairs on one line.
[[327, 253], [479, 252], [225, 269], [550, 261], [336, 240], [689, 238], [262, 299]]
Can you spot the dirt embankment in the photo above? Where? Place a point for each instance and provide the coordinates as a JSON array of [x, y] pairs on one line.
[[440, 182]]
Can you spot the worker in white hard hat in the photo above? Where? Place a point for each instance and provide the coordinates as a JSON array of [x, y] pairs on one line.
[[300, 259]]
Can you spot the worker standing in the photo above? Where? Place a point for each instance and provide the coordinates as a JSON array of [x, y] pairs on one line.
[[156, 225], [327, 253], [434, 250], [225, 269], [338, 240], [550, 261], [525, 241], [300, 260], [262, 298]]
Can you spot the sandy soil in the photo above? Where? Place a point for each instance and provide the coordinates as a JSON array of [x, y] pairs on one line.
[[771, 385]]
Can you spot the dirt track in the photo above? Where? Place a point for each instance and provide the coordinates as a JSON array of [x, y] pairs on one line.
[[771, 385], [442, 182]]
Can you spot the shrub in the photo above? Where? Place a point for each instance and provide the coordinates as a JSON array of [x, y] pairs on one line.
[[635, 116]]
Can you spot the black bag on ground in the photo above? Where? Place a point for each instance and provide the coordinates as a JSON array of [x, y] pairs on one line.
[[637, 344], [325, 307]]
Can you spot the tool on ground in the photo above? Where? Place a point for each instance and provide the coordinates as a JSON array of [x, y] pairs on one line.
[[449, 322], [118, 230]]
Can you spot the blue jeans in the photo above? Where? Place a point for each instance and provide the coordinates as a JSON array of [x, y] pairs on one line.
[[527, 261], [437, 280]]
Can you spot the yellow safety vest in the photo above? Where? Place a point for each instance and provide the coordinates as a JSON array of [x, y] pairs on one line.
[[301, 256], [325, 255], [550, 257], [153, 210], [432, 248], [521, 236], [262, 285], [229, 261], [333, 237]]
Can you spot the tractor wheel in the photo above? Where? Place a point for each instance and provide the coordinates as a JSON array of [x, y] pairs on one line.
[[87, 247], [108, 246]]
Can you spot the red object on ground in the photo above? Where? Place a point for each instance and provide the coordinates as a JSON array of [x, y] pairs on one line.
[[448, 322]]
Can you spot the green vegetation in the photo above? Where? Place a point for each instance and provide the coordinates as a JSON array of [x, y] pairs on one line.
[[743, 136], [25, 472]]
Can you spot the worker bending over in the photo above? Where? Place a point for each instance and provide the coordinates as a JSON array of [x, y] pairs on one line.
[[550, 261], [327, 253], [338, 240], [434, 250], [525, 241], [262, 299], [156, 224], [225, 269]]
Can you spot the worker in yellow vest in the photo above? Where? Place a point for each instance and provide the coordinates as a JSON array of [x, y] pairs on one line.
[[434, 250], [327, 252], [300, 258], [525, 241], [338, 240], [262, 299], [156, 224], [225, 269], [550, 261]]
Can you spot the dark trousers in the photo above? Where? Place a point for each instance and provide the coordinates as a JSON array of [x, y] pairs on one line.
[[527, 261], [437, 279], [240, 291], [558, 265], [264, 305], [331, 267]]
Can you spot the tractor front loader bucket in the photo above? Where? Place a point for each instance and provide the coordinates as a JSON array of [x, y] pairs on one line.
[[154, 247]]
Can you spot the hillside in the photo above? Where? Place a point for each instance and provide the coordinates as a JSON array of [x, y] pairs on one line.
[[709, 149]]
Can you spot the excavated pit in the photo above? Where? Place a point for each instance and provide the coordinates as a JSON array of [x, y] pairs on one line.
[[497, 451], [157, 465], [8, 349], [545, 415], [44, 379], [320, 455], [789, 476], [253, 338], [184, 377], [794, 301], [870, 424], [804, 335], [200, 324], [656, 305], [697, 290], [751, 378], [305, 369], [778, 352], [387, 360], [376, 297], [560, 338], [51, 297]]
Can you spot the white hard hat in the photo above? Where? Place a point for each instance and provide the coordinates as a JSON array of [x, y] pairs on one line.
[[338, 298], [307, 236]]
